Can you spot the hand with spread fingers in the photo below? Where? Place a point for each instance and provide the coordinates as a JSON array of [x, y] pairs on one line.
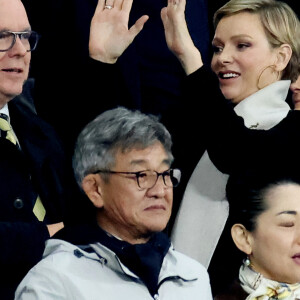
[[109, 33], [177, 36]]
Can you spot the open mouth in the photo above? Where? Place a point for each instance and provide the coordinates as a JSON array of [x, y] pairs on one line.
[[228, 75]]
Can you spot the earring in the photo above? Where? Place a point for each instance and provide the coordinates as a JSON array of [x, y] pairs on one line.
[[247, 261], [274, 70]]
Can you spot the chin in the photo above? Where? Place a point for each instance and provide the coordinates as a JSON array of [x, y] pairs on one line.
[[297, 104], [10, 93], [228, 95], [156, 227]]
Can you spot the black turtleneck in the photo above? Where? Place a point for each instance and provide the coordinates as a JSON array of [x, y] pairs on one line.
[[144, 260]]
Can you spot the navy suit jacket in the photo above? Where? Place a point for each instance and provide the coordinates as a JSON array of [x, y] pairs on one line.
[[36, 169]]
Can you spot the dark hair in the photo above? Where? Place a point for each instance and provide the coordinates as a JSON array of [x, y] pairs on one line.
[[246, 193]]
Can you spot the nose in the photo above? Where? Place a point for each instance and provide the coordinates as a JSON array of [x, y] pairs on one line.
[[297, 236], [18, 48], [159, 189], [295, 86], [225, 56]]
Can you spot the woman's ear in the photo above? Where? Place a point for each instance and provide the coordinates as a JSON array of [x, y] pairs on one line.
[[242, 238], [284, 53], [91, 184]]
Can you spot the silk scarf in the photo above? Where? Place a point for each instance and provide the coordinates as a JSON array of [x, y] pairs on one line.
[[260, 288]]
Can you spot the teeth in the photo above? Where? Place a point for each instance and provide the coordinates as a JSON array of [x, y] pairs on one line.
[[229, 75]]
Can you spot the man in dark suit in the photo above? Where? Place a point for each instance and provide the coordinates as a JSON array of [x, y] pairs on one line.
[[32, 173]]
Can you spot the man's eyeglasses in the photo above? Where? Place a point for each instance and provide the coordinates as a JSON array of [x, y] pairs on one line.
[[147, 179], [29, 39]]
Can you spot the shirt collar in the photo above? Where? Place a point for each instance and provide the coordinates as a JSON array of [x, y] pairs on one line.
[[265, 108], [4, 110]]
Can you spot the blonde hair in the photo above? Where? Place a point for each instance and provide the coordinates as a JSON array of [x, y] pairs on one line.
[[280, 23]]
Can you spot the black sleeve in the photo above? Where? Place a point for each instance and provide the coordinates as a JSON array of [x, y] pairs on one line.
[[22, 242], [230, 144]]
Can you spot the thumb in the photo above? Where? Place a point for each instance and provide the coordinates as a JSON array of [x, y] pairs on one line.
[[163, 14], [138, 26]]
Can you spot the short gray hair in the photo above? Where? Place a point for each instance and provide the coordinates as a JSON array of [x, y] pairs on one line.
[[116, 129]]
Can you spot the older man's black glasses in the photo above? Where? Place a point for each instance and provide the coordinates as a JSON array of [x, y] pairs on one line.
[[147, 179], [29, 39]]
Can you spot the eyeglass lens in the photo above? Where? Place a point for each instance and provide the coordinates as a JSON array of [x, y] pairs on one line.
[[148, 179], [7, 40]]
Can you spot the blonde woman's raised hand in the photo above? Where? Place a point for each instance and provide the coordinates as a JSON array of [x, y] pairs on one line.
[[177, 36]]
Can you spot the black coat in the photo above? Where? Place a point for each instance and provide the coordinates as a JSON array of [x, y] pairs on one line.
[[234, 148], [150, 76], [37, 169]]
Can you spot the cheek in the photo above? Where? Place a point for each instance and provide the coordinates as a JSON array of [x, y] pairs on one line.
[[27, 64], [270, 247], [169, 197], [214, 63]]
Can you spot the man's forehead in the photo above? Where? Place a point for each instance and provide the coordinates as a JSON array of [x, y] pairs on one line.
[[142, 156], [13, 11]]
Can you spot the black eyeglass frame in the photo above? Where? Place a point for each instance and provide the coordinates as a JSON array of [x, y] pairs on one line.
[[168, 172], [20, 34]]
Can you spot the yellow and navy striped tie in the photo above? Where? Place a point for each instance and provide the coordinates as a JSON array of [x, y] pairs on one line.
[[38, 208], [5, 127]]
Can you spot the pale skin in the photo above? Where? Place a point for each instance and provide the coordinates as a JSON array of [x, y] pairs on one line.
[[274, 246], [125, 210], [243, 58], [109, 33], [295, 88], [14, 63], [112, 36]]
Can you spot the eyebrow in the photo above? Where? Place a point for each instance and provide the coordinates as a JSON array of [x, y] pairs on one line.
[[141, 161], [288, 212], [233, 37]]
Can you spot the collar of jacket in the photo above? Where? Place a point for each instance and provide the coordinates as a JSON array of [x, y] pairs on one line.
[[172, 268], [265, 108]]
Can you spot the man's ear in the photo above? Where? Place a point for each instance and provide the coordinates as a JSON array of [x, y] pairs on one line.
[[284, 53], [91, 184], [242, 238]]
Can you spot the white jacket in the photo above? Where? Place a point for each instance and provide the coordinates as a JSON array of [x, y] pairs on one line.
[[68, 272]]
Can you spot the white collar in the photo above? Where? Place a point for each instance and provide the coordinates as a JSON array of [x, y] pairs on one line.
[[265, 108], [4, 110]]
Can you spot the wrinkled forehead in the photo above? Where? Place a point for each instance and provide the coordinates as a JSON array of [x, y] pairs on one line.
[[152, 156]]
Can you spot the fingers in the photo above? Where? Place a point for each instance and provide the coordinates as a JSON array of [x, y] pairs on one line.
[[127, 4], [117, 4], [181, 4], [100, 6], [176, 4]]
